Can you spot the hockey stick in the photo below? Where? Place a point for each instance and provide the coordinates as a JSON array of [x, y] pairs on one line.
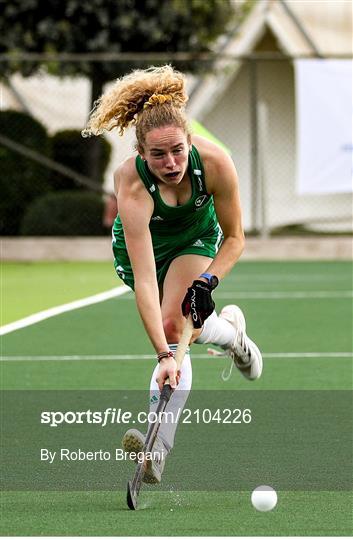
[[133, 487]]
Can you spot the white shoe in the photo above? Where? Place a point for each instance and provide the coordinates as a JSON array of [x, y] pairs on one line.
[[244, 352], [134, 441]]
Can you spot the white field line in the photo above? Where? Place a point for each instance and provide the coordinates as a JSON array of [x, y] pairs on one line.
[[118, 357], [275, 295], [52, 312], [118, 291], [279, 278], [282, 295]]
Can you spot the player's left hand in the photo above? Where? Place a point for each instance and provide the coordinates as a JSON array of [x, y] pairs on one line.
[[198, 302]]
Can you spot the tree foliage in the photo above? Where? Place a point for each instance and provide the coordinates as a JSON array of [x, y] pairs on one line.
[[73, 26], [107, 26], [70, 149], [21, 180], [65, 213]]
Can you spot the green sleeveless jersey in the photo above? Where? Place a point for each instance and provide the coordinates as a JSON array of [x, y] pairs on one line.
[[191, 228]]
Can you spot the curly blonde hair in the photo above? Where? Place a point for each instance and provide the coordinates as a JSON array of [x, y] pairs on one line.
[[148, 98]]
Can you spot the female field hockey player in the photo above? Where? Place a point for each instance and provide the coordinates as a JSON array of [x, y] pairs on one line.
[[178, 233]]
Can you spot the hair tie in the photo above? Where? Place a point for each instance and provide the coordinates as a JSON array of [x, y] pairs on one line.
[[157, 99]]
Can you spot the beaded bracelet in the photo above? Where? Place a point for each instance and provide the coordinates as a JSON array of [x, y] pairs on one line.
[[164, 354]]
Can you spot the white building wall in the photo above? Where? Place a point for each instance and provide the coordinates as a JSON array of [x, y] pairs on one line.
[[230, 121], [329, 23]]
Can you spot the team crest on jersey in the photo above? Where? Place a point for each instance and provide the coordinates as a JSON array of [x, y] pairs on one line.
[[120, 271], [200, 200]]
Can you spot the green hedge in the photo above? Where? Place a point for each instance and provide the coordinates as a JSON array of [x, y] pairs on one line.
[[21, 179], [76, 152], [65, 214]]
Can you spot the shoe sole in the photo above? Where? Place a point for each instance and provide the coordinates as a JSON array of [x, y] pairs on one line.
[[132, 442]]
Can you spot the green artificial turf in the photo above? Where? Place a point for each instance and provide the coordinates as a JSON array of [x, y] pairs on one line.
[[27, 288], [175, 514], [78, 342]]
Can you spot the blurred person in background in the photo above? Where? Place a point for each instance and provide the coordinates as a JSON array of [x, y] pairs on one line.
[[110, 210]]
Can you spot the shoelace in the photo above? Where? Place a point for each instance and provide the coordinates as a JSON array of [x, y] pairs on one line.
[[242, 342], [224, 375]]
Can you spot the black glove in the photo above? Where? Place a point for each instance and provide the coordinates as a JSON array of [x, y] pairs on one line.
[[198, 301]]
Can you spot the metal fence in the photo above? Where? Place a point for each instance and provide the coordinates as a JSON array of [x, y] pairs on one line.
[[255, 115], [251, 108]]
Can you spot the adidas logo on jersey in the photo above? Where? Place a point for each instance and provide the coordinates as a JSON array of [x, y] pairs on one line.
[[157, 218], [199, 243], [152, 188]]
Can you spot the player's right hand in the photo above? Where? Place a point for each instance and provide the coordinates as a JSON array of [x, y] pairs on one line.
[[167, 369]]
